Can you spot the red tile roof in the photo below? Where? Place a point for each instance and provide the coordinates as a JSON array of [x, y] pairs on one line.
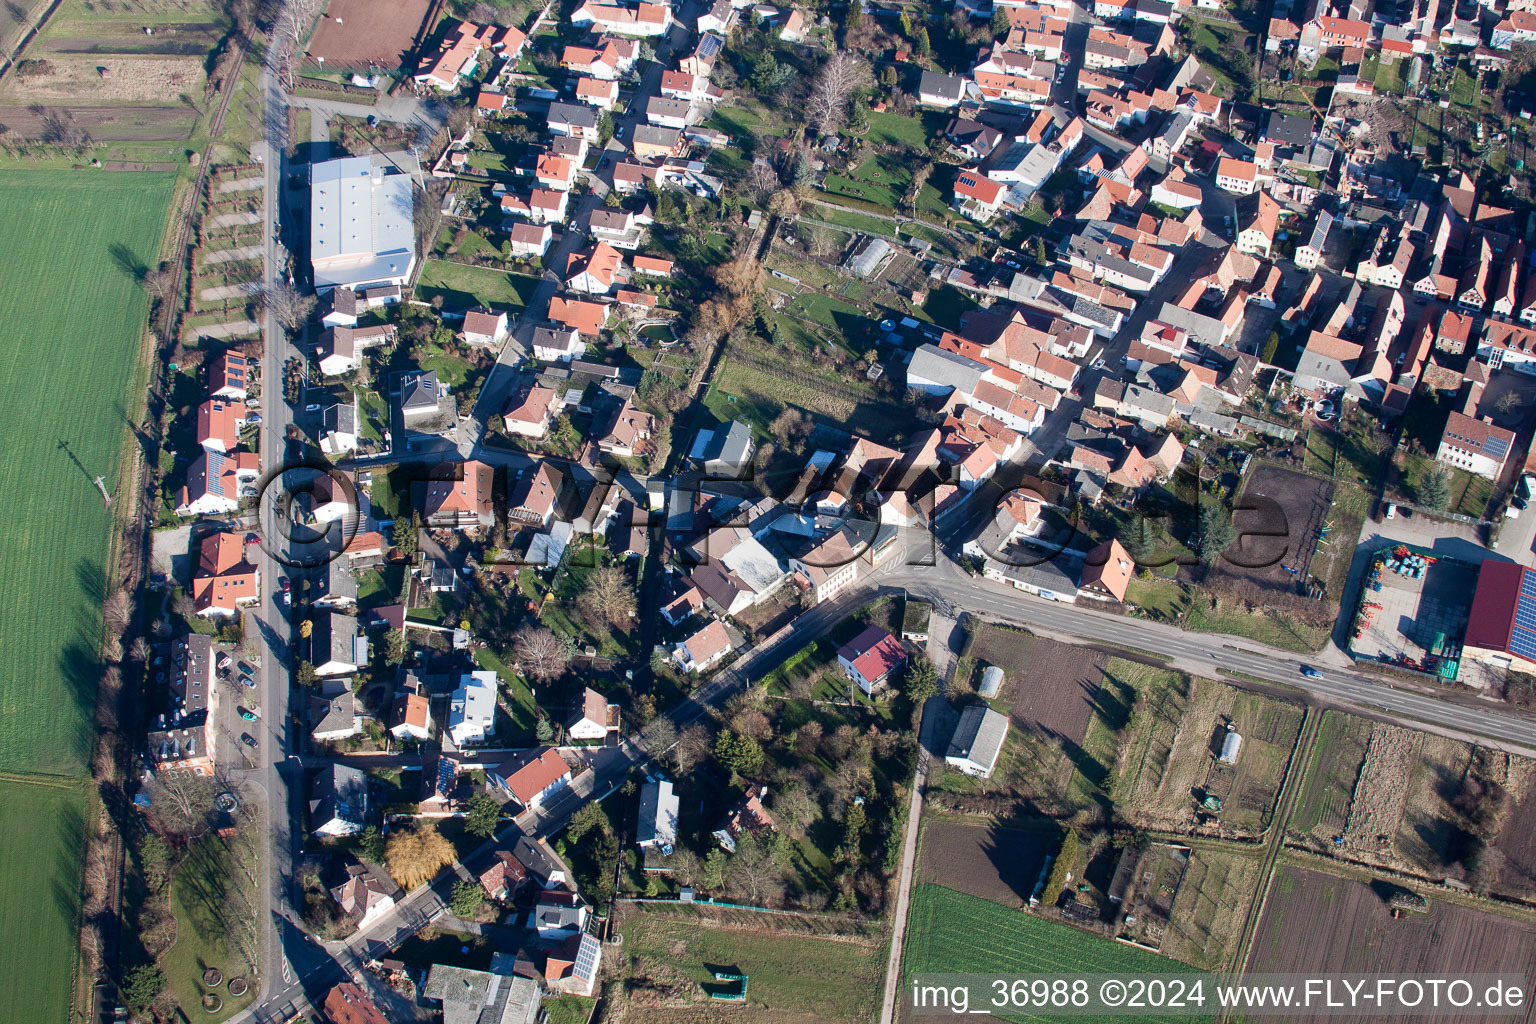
[[536, 776], [873, 653]]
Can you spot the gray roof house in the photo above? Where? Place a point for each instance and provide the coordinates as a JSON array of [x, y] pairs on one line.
[[977, 741], [334, 718], [940, 90], [1040, 576], [563, 116], [338, 801], [338, 427], [419, 394], [337, 647], [1202, 329], [939, 371], [724, 450], [659, 806], [483, 997], [1148, 406]]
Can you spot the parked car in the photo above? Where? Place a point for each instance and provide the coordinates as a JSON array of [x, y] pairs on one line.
[[248, 682], [248, 739], [249, 715]]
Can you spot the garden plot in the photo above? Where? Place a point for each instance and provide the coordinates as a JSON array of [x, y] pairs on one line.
[[110, 78]]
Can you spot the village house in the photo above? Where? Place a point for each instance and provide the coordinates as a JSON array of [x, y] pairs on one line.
[[595, 718], [216, 482], [225, 581], [531, 781], [746, 816], [870, 658], [472, 709], [704, 649], [1474, 445], [535, 497], [530, 412], [462, 501]]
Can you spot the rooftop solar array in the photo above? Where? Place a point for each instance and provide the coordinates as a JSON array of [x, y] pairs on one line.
[[1522, 638]]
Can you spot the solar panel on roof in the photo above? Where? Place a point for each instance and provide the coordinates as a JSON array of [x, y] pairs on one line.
[[1496, 447], [586, 957], [1522, 637]]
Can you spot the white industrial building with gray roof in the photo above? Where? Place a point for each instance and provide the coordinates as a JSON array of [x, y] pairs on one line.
[[361, 230], [977, 741]]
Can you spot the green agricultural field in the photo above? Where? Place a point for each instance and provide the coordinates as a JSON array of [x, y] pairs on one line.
[[73, 241], [70, 300], [949, 932], [40, 874]]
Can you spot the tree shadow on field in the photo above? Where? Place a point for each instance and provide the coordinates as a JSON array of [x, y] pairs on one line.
[[81, 671], [127, 261], [70, 822], [92, 581]]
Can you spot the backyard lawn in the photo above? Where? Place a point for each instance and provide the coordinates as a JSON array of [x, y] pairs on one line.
[[796, 977], [1469, 494], [463, 286]]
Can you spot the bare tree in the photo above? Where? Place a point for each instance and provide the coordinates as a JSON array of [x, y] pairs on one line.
[[427, 213], [840, 75], [288, 305], [820, 242], [784, 204], [610, 595], [761, 180], [754, 874], [288, 37], [693, 745], [181, 801], [240, 913], [115, 610], [540, 653], [660, 734]]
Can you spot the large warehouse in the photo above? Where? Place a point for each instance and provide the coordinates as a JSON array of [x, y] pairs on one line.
[[1502, 629], [361, 229]]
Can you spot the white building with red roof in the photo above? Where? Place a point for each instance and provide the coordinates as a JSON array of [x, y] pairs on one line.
[[978, 196], [870, 658]]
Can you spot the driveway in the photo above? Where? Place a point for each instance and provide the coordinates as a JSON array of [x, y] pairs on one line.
[[1452, 539]]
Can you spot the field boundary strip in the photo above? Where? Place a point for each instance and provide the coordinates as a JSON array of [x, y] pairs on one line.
[[44, 779]]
